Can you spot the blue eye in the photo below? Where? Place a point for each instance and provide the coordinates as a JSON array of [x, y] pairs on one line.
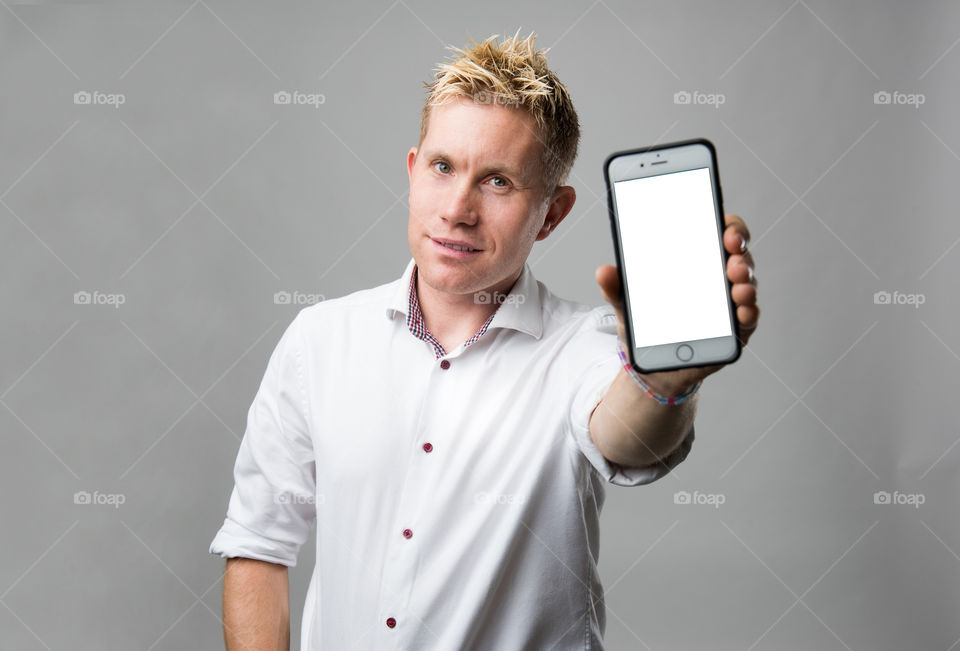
[[442, 167], [502, 184]]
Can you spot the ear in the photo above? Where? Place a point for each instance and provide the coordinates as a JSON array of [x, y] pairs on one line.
[[411, 161], [561, 203]]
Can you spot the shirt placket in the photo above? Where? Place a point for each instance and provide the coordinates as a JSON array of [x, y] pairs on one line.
[[398, 623]]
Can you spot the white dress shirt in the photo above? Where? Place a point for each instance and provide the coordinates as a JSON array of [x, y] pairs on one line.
[[456, 498]]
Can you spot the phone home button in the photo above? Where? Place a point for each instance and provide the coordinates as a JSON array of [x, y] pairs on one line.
[[684, 353]]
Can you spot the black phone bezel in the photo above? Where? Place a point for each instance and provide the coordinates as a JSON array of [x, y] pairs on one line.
[[614, 227]]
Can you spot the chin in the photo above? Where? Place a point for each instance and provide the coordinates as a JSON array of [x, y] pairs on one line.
[[449, 277]]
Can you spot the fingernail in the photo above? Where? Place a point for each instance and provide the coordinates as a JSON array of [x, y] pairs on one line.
[[743, 244], [752, 277]]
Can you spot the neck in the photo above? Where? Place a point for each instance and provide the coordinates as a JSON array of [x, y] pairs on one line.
[[454, 318]]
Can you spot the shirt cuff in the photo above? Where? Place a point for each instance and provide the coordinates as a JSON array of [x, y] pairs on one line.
[[619, 475], [234, 540]]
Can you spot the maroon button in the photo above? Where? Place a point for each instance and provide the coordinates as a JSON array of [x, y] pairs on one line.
[[407, 533], [428, 447], [391, 622], [445, 364]]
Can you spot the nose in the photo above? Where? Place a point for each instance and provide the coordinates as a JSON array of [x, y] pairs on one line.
[[460, 205]]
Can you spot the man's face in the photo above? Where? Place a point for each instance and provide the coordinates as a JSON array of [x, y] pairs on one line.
[[476, 181]]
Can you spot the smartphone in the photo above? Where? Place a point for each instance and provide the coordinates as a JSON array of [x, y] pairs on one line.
[[666, 213]]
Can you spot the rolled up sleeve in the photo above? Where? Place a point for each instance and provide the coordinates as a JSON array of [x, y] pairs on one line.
[[595, 350], [272, 508]]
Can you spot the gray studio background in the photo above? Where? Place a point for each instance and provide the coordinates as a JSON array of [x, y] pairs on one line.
[[824, 480]]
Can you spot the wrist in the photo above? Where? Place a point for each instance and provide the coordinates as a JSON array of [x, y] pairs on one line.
[[666, 386], [661, 387]]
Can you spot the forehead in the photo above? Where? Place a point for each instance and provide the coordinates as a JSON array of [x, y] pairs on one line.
[[479, 131]]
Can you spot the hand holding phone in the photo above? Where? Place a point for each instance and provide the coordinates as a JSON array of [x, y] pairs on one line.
[[666, 212]]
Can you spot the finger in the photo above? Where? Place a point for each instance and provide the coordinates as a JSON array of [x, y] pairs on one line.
[[736, 235], [748, 316], [740, 269], [734, 241], [735, 222], [744, 294], [609, 281], [741, 258]]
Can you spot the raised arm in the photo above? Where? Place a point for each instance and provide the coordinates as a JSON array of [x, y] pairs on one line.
[[627, 426]]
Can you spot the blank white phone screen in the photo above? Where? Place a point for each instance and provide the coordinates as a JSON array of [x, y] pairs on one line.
[[672, 258]]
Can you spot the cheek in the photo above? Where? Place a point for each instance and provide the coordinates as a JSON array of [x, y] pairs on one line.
[[415, 214], [423, 199], [417, 206], [518, 232], [533, 223]]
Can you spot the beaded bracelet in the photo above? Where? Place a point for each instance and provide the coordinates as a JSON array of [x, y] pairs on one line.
[[628, 367]]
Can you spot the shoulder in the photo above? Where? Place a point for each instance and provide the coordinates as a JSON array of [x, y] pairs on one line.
[[350, 315], [573, 318], [359, 301]]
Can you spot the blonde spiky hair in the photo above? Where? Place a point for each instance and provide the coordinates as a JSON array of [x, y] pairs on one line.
[[513, 73]]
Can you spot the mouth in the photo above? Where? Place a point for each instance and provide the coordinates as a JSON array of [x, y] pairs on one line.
[[456, 246]]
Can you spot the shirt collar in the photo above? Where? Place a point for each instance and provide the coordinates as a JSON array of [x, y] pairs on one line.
[[519, 310]]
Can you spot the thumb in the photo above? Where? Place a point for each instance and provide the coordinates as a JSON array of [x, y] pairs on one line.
[[609, 281]]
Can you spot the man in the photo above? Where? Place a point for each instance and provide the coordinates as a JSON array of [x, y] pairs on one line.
[[450, 433]]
